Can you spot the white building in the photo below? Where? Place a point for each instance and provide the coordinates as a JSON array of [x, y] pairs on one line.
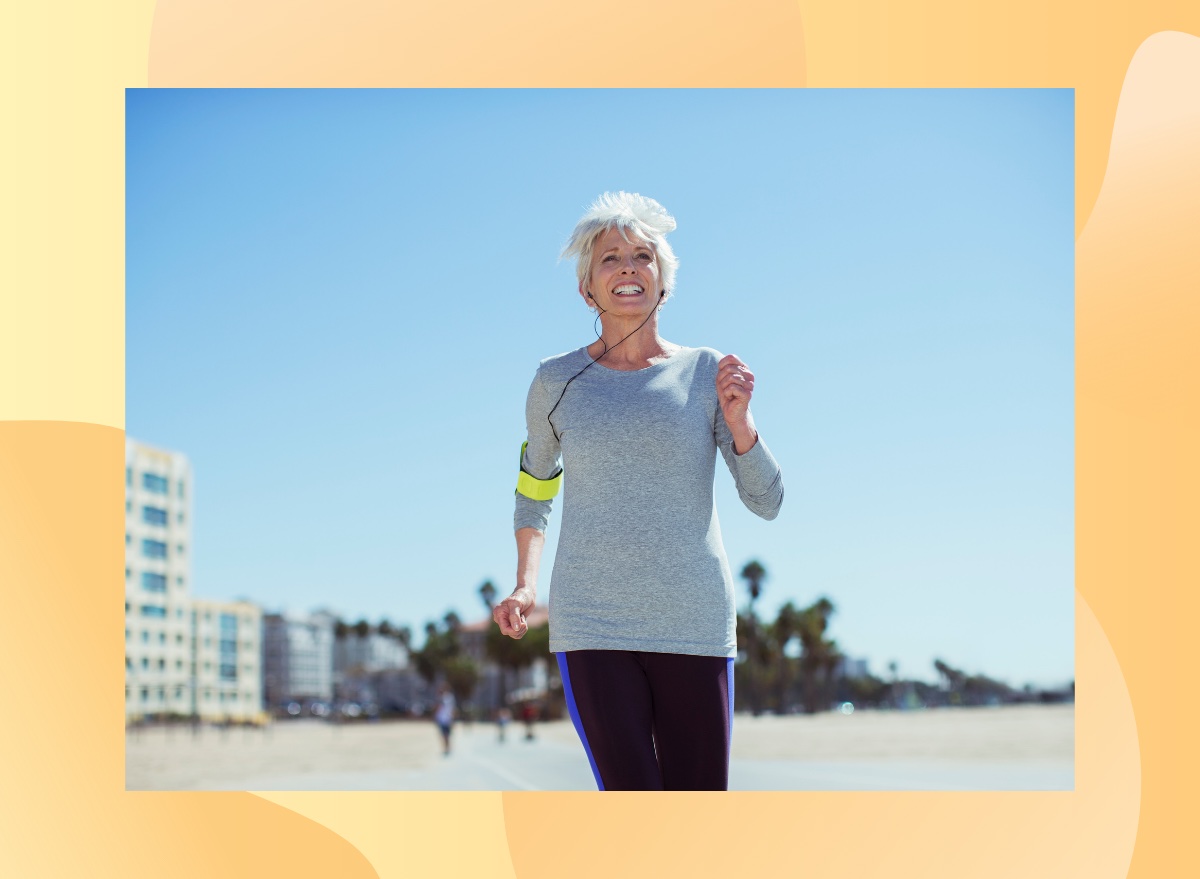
[[371, 653], [227, 659], [851, 668], [297, 658], [157, 581]]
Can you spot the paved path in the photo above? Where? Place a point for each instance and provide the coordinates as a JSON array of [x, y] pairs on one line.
[[978, 749], [477, 762]]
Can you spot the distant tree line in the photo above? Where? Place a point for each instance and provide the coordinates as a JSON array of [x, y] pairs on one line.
[[444, 659], [784, 665], [788, 664]]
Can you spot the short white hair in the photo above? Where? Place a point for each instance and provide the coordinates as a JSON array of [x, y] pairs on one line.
[[628, 212]]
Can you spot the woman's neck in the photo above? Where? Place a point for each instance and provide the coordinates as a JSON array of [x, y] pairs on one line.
[[631, 347]]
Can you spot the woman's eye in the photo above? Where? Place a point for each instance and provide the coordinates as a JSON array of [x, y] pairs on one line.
[[644, 256], [609, 258]]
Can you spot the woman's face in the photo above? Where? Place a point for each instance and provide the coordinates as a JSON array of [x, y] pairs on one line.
[[624, 276]]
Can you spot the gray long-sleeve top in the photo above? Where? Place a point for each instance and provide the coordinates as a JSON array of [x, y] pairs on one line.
[[640, 564]]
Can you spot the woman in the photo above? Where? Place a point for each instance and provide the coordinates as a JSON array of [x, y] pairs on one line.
[[642, 617]]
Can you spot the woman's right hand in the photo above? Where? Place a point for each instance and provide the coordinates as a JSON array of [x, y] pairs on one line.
[[509, 614]]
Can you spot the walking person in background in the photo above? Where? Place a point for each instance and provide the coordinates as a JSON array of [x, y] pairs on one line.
[[443, 716], [642, 617], [529, 715]]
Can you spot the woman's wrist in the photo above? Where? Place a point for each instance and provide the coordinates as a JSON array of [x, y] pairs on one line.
[[744, 435]]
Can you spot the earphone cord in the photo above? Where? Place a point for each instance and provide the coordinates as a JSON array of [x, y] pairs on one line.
[[600, 336]]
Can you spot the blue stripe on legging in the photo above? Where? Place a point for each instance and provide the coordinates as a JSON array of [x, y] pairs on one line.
[[729, 678], [574, 712]]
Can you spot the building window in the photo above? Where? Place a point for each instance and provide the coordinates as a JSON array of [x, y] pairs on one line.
[[179, 518], [154, 549], [128, 663], [145, 637], [179, 639], [145, 694], [178, 665], [151, 610], [128, 538], [179, 581], [162, 665], [154, 516], [128, 572], [179, 548], [154, 582], [145, 663], [162, 637], [129, 476], [156, 484], [181, 488], [128, 506]]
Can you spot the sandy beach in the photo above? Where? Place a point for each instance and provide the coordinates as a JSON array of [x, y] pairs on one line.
[[1017, 747]]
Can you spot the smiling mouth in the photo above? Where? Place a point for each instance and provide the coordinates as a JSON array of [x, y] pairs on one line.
[[628, 290]]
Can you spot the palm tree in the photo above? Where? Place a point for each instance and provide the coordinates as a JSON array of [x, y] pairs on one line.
[[441, 648], [431, 658], [783, 630], [462, 674], [404, 635], [488, 593], [818, 656], [754, 574]]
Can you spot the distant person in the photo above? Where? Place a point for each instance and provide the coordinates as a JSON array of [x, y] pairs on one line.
[[443, 716], [642, 617], [503, 718], [529, 715]]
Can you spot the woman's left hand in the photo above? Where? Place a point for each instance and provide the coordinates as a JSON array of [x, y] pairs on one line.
[[735, 387]]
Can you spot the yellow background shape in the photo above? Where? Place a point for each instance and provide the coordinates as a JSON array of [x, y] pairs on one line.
[[61, 341]]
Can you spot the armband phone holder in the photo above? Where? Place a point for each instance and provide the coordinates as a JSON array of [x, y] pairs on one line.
[[532, 487]]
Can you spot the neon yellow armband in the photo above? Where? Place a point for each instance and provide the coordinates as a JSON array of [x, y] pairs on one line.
[[534, 488]]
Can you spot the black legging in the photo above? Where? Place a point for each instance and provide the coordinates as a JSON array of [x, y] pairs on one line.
[[651, 721]]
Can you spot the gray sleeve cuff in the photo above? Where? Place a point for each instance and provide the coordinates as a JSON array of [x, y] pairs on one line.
[[531, 514], [759, 479]]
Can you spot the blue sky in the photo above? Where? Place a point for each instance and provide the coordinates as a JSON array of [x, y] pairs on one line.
[[336, 301]]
